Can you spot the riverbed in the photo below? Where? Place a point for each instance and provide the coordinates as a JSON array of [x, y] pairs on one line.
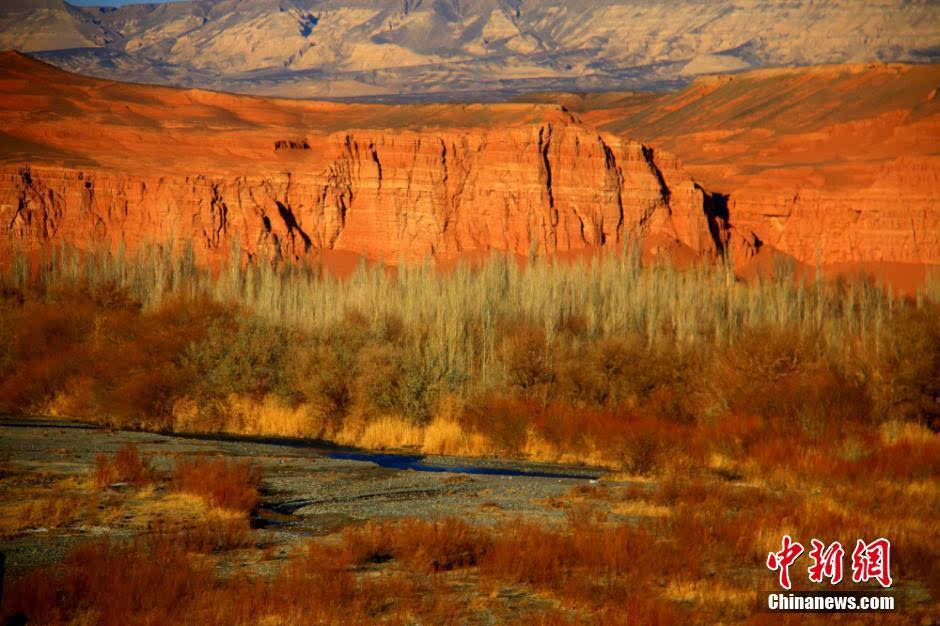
[[307, 488]]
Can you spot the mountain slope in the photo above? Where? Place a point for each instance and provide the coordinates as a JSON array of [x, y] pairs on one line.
[[460, 48], [89, 161]]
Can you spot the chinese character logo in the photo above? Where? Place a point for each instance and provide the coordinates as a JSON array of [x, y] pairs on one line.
[[789, 552], [872, 560], [827, 562]]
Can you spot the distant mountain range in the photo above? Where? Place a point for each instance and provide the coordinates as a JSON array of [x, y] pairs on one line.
[[460, 49]]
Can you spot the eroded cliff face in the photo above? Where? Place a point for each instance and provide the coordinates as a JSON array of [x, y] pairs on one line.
[[894, 219], [403, 195], [93, 162], [830, 165]]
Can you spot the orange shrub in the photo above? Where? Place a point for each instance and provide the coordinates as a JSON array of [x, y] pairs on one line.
[[224, 483], [428, 546], [110, 584], [126, 466], [501, 418], [215, 534], [591, 563]]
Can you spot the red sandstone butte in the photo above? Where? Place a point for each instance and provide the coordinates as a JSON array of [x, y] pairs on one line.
[[95, 162]]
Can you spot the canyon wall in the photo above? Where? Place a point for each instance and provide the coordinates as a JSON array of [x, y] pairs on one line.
[[403, 195], [837, 166], [828, 165], [894, 219]]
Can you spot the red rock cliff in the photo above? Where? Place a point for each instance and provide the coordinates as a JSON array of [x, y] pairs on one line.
[[831, 165], [93, 162], [386, 195]]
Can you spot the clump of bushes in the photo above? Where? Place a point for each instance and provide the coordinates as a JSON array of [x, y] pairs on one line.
[[223, 483], [125, 466]]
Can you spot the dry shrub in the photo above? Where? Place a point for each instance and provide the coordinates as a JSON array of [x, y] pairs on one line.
[[529, 362], [41, 512], [322, 375], [392, 379], [637, 443], [615, 372], [320, 587], [503, 419], [139, 362], [43, 349], [434, 546], [223, 483], [441, 545], [635, 609], [99, 356], [447, 435], [126, 466], [572, 562], [219, 531], [112, 584], [369, 543], [239, 354], [512, 425], [906, 372], [783, 374], [316, 587], [588, 562]]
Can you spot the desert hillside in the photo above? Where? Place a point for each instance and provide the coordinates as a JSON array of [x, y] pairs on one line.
[[458, 48], [769, 161]]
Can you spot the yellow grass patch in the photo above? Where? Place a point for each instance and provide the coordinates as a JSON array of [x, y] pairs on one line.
[[45, 500], [767, 539], [722, 464], [895, 431], [248, 416], [539, 449], [147, 508], [445, 435], [78, 482], [273, 417], [922, 488], [710, 592], [389, 432], [624, 477], [640, 508]]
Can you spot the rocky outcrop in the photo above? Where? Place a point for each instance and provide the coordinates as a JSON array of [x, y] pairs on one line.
[[403, 195], [828, 165]]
